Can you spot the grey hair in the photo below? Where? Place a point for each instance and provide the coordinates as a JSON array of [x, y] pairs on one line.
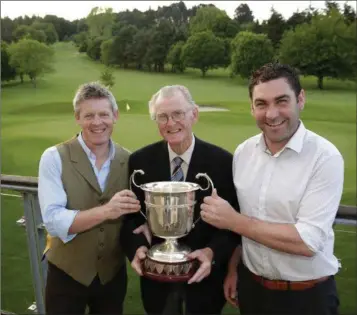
[[167, 92], [93, 90]]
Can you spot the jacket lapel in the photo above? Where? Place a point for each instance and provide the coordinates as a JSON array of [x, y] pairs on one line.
[[116, 169], [197, 160], [82, 165], [162, 160]]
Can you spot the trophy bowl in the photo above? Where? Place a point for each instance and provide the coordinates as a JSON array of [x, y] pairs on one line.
[[169, 214]]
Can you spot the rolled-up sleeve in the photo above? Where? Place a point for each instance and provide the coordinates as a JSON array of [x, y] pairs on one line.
[[320, 202], [52, 197]]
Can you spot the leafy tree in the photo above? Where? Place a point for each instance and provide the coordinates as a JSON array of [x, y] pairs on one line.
[[63, 27], [107, 77], [25, 20], [177, 13], [7, 72], [29, 32], [81, 41], [100, 22], [249, 52], [212, 19], [35, 34], [122, 51], [349, 14], [331, 6], [254, 27], [106, 52], [193, 11], [48, 29], [31, 57], [135, 18], [174, 57], [298, 18], [141, 41], [94, 47], [20, 32], [160, 40], [321, 48], [204, 51], [274, 27], [243, 14], [7, 29], [81, 25]]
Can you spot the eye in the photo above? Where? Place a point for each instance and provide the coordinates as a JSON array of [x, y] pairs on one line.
[[282, 101]]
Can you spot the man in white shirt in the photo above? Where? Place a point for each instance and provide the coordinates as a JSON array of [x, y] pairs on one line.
[[289, 183]]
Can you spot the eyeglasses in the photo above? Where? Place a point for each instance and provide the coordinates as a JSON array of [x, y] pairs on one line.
[[176, 116]]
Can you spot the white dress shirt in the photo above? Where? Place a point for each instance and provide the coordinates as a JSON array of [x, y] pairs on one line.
[[52, 197], [186, 157], [301, 185]]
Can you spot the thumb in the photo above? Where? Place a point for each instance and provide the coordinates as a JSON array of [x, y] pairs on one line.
[[139, 230], [233, 292], [214, 193], [142, 253], [192, 255]]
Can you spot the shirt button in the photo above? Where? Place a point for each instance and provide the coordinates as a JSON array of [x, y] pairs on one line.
[[101, 244], [101, 229], [99, 257]]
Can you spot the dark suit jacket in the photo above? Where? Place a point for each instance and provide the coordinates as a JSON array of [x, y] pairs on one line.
[[206, 158]]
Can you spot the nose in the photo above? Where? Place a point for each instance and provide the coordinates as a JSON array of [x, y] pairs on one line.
[[97, 120], [170, 121], [272, 113]]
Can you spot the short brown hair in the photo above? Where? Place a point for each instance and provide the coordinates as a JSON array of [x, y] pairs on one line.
[[273, 71]]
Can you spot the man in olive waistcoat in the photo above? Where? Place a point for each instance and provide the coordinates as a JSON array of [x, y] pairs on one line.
[[83, 194]]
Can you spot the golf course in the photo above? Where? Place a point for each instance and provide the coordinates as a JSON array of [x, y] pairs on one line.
[[36, 118]]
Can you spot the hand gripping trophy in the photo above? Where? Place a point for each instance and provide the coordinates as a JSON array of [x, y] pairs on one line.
[[169, 214]]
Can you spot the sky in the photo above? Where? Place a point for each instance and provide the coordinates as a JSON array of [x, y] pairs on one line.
[[72, 10]]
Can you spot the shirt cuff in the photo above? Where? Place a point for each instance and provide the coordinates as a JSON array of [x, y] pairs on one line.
[[64, 220], [312, 236]]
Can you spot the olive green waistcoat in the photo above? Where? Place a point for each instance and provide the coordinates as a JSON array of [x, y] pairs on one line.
[[95, 251]]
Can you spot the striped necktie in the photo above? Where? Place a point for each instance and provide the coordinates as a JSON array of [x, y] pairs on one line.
[[177, 174]]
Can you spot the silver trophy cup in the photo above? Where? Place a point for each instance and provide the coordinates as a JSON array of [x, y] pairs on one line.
[[169, 214]]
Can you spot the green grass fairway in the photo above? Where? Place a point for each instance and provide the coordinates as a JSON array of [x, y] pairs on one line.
[[33, 119]]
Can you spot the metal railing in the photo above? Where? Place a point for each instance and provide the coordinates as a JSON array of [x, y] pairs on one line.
[[36, 233]]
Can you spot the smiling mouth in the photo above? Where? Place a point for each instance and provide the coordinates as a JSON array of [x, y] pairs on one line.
[[98, 131], [174, 131], [276, 125]]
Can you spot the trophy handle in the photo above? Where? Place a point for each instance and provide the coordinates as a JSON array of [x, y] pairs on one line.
[[131, 180], [210, 183]]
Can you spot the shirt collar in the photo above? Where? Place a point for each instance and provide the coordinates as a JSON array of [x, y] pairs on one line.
[[186, 156], [295, 143], [89, 153]]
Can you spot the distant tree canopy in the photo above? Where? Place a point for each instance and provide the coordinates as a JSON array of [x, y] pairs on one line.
[[249, 52], [243, 15], [204, 51], [31, 57], [321, 51], [317, 42], [174, 57], [7, 71]]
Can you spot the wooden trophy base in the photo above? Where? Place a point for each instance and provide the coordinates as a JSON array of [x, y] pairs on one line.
[[169, 272]]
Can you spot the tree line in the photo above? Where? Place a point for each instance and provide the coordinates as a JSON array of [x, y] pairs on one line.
[[318, 43]]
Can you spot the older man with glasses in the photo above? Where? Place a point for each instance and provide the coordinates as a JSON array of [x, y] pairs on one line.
[[179, 157]]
